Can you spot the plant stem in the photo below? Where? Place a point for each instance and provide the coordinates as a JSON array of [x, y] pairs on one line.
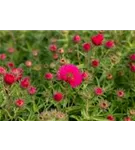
[[78, 56], [13, 37], [87, 107], [9, 101]]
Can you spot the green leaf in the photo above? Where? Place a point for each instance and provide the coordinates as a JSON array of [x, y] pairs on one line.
[[98, 119], [107, 35], [81, 66], [77, 118]]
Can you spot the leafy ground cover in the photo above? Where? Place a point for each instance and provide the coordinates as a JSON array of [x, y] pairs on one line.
[[67, 75]]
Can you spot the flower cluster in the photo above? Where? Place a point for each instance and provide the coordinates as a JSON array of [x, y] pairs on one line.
[[11, 75], [68, 75]]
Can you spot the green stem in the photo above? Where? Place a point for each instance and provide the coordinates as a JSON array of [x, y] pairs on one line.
[[13, 37], [78, 56], [86, 57], [51, 86], [9, 101], [58, 107], [87, 107]]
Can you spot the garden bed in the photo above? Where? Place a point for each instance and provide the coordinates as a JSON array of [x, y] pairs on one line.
[[67, 75]]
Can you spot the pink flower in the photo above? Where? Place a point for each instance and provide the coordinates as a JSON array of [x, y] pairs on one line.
[[97, 39], [10, 64], [48, 76], [85, 75], [2, 71], [132, 57], [109, 44], [132, 66], [120, 93], [58, 96], [98, 91], [70, 74], [53, 47], [28, 63], [55, 56], [11, 50], [32, 90], [95, 63], [19, 102], [86, 47], [18, 73], [9, 78], [127, 119], [25, 83], [3, 56], [61, 51], [110, 118], [76, 38]]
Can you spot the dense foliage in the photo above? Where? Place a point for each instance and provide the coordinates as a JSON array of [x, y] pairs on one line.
[[67, 75]]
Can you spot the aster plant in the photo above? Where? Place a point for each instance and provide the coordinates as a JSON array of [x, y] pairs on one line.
[[67, 75]]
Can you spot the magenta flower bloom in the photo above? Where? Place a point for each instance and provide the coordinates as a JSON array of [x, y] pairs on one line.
[[132, 67], [2, 70], [98, 91], [70, 74], [132, 57], [32, 90]]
